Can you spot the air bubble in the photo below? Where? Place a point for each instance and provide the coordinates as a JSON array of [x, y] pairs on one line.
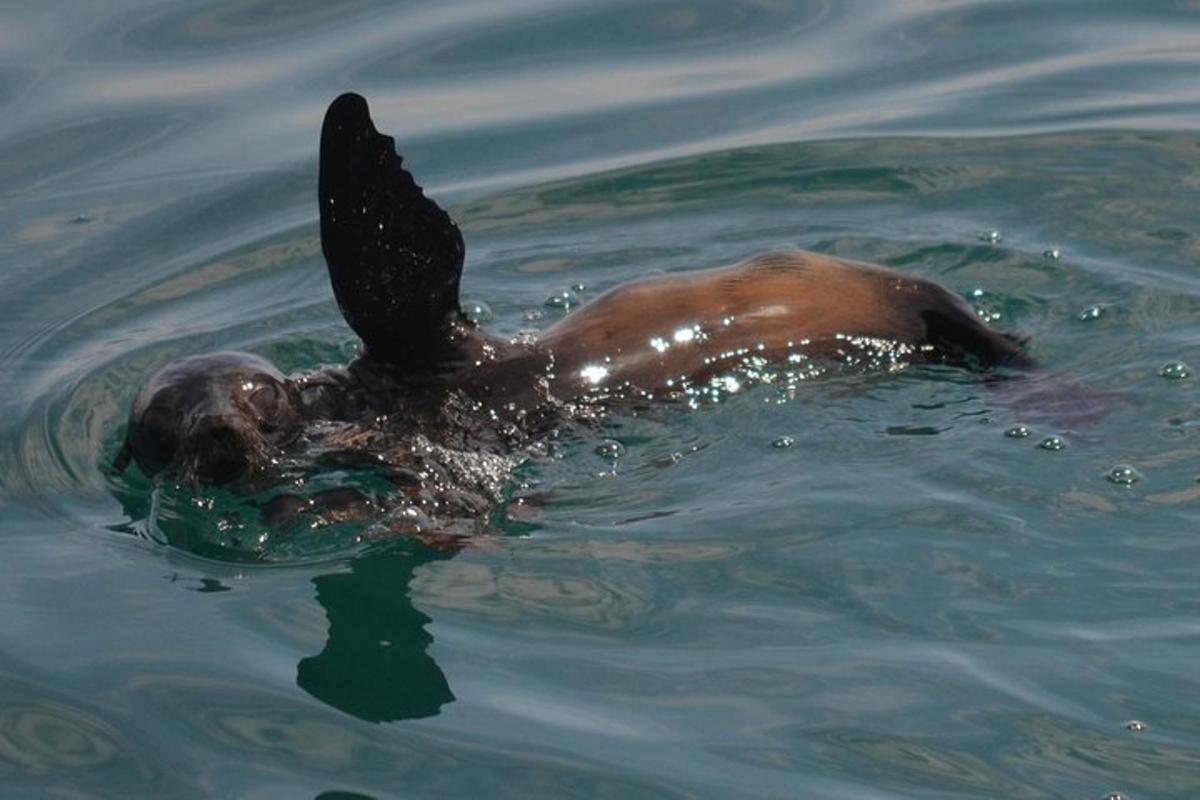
[[1124, 475], [783, 443], [1175, 370], [477, 311], [1116, 796], [1135, 726], [566, 299], [1091, 313], [991, 237], [1053, 254], [610, 448], [1018, 432], [1053, 443], [578, 287]]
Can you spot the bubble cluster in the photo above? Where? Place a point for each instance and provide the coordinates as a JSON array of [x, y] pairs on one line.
[[783, 442], [1135, 726], [1124, 475], [987, 306], [1018, 432], [1175, 370], [477, 311], [610, 448], [1053, 443], [564, 299]]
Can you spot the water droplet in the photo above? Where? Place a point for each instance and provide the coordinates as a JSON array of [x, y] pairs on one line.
[[1175, 370], [992, 237], [610, 448], [783, 442], [1116, 796], [1091, 313], [1124, 475], [578, 287], [566, 299], [683, 335], [1018, 432], [1053, 254], [477, 311], [594, 374], [1053, 443], [1135, 725]]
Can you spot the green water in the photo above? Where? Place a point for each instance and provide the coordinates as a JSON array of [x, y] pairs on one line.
[[903, 603]]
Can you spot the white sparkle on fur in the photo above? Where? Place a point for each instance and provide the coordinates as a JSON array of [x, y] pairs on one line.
[[660, 344], [594, 374]]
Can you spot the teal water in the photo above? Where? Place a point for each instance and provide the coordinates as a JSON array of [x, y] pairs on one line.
[[904, 603]]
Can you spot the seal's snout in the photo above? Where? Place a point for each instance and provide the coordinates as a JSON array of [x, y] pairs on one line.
[[219, 449], [212, 417], [224, 430]]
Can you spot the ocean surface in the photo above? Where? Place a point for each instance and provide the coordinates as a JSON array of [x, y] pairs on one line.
[[902, 584]]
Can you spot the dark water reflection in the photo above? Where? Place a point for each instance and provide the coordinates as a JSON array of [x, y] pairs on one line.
[[375, 663]]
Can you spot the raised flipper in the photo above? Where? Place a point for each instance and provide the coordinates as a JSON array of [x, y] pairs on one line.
[[395, 257]]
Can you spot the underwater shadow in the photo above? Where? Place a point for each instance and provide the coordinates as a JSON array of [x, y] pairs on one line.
[[374, 665]]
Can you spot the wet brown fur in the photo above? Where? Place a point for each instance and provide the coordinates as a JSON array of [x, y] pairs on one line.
[[787, 302]]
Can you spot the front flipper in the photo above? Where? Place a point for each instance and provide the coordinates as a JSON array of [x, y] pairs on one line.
[[395, 257]]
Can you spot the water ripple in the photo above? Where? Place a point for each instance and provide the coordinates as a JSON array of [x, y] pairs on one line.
[[860, 614]]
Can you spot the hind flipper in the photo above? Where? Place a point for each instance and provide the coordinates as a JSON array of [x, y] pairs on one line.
[[961, 337], [395, 257]]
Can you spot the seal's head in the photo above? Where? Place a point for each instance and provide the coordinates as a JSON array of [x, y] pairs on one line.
[[211, 417]]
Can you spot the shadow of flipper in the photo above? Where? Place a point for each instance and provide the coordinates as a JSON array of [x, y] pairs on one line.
[[374, 665]]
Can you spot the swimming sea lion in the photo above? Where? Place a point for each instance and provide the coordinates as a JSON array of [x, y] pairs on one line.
[[395, 260], [211, 416]]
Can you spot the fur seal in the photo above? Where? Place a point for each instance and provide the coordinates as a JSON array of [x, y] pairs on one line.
[[395, 260], [211, 416]]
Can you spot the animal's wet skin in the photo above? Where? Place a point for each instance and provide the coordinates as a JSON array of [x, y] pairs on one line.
[[446, 410]]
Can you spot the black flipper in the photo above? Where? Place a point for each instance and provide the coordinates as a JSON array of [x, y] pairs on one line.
[[962, 338], [395, 257]]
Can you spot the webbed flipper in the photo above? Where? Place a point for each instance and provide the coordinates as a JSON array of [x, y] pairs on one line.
[[962, 338], [395, 257]]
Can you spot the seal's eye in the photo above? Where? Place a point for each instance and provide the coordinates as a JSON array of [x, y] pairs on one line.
[[265, 399]]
